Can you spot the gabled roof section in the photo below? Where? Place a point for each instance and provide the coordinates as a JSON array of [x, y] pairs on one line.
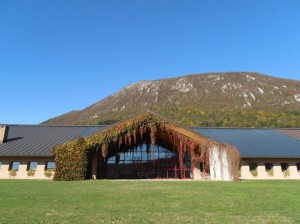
[[151, 118], [257, 143], [38, 140]]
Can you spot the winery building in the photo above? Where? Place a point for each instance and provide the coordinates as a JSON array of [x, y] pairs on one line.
[[148, 146]]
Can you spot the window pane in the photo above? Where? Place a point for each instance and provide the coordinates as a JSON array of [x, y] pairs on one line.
[[111, 160], [32, 166], [252, 166], [298, 166], [0, 164], [188, 174], [201, 167], [269, 166], [15, 165], [284, 166], [50, 165]]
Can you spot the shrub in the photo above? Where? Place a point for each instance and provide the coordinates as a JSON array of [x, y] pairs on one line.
[[30, 173], [71, 160], [13, 173], [270, 172], [286, 173], [254, 173], [49, 173]]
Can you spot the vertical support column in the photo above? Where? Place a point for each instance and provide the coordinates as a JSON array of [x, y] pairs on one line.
[[192, 169], [102, 167], [277, 172], [294, 174], [3, 133], [197, 174], [245, 171], [181, 162], [261, 171], [94, 165], [104, 173]]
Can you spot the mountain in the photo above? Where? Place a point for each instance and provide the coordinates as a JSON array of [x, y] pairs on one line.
[[234, 99]]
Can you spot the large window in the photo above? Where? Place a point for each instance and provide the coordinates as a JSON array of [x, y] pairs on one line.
[[14, 165], [142, 163], [32, 166]]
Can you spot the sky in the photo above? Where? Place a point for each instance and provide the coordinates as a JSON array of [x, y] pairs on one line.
[[57, 56]]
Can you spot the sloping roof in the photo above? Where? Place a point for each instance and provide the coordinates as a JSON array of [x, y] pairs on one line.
[[38, 140], [257, 143]]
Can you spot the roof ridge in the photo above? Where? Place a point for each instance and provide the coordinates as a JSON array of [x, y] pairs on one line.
[[246, 128], [43, 125]]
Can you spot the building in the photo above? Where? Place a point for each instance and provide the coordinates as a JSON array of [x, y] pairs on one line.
[[265, 153], [148, 146], [28, 147]]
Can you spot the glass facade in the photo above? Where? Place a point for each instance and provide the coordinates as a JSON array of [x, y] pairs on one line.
[[143, 164]]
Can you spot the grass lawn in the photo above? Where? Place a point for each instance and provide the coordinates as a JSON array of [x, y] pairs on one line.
[[29, 201]]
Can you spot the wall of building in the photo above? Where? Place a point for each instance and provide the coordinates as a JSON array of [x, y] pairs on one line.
[[22, 172], [261, 172], [198, 174]]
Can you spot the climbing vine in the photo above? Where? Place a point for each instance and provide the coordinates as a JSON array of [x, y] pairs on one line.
[[71, 160]]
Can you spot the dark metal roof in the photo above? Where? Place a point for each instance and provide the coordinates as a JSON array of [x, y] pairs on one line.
[[38, 140], [256, 143]]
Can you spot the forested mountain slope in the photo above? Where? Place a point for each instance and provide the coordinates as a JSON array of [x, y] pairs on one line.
[[235, 99]]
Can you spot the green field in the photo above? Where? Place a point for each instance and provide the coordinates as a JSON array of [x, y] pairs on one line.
[[29, 201]]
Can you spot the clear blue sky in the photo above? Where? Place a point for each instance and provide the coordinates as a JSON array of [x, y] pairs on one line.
[[58, 56]]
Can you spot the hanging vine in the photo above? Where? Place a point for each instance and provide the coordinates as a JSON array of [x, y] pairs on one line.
[[153, 136], [104, 150]]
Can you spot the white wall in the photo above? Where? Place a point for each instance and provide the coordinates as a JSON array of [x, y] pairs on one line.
[[22, 172], [277, 172]]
